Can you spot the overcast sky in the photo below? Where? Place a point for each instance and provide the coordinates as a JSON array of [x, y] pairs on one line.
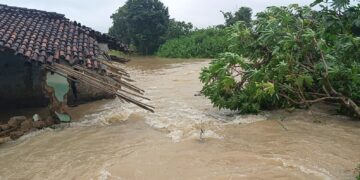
[[96, 13]]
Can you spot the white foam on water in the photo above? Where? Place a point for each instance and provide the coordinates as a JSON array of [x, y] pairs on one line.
[[245, 119], [313, 170], [104, 175], [181, 121], [184, 122], [35, 133], [32, 134], [110, 113]]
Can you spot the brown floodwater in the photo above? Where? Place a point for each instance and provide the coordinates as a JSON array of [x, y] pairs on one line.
[[186, 138]]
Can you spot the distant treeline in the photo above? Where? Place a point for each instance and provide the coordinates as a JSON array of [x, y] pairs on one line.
[[205, 43], [146, 26]]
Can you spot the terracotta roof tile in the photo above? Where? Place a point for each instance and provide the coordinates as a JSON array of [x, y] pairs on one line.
[[46, 36]]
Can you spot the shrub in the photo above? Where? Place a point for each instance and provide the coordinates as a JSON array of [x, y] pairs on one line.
[[204, 43], [291, 57]]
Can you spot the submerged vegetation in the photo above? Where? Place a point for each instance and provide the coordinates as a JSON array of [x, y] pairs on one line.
[[290, 57]]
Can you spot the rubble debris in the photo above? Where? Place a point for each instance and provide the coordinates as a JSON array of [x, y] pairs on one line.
[[20, 125]]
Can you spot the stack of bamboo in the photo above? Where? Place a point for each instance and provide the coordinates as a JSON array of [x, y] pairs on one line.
[[113, 80]]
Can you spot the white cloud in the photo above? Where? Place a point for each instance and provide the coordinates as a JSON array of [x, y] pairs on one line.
[[96, 13]]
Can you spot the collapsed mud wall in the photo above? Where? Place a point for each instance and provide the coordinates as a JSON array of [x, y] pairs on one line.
[[85, 93], [21, 84]]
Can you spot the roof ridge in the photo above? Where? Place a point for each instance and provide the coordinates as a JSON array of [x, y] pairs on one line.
[[100, 37], [4, 7]]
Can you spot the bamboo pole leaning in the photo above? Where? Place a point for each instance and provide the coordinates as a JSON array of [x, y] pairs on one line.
[[105, 83], [114, 67], [116, 79]]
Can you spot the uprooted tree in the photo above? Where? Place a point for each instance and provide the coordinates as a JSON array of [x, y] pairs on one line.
[[291, 57]]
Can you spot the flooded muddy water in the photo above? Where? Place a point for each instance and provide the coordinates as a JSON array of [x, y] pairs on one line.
[[186, 138]]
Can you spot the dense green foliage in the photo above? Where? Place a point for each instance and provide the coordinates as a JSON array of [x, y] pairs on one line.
[[178, 28], [290, 57], [204, 43], [182, 42], [243, 14], [142, 23]]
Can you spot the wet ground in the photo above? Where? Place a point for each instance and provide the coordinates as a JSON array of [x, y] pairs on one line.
[[186, 138]]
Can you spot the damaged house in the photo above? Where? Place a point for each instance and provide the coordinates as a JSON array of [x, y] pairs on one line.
[[46, 60]]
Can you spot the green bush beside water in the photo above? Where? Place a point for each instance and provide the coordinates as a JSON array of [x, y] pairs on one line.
[[291, 57], [204, 43]]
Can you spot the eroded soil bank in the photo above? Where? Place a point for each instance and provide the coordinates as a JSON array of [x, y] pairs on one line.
[[186, 138]]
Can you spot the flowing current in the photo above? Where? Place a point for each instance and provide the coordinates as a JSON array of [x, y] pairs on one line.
[[186, 138]]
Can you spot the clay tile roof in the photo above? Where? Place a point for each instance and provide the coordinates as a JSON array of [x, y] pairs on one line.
[[46, 36]]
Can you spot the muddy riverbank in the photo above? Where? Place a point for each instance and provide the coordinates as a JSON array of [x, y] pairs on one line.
[[186, 138]]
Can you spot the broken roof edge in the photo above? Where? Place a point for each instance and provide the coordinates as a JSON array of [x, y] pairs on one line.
[[67, 48], [113, 43]]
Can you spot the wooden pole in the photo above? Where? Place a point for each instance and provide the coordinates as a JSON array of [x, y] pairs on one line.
[[101, 82]]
